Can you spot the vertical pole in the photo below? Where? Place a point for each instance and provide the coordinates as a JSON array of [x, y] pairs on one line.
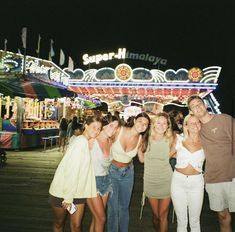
[[19, 119], [45, 109], [64, 108], [0, 106], [8, 107], [40, 110], [24, 63]]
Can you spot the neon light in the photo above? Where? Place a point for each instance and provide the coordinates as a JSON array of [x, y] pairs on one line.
[[146, 57], [121, 54], [35, 66], [175, 72], [216, 103], [145, 85]]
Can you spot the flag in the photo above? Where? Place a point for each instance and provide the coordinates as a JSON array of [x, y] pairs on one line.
[[51, 53], [5, 45], [70, 64], [62, 57], [24, 36], [39, 41]]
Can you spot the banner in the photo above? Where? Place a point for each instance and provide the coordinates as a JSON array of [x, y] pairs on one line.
[[70, 64], [51, 53], [24, 36], [5, 45], [62, 57], [38, 48]]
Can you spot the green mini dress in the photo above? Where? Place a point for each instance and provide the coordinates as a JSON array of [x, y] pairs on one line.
[[157, 170]]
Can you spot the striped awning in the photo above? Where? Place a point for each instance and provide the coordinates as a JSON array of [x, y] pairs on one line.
[[15, 86]]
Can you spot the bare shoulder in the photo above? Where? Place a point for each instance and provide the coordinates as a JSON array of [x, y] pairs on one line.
[[116, 134]]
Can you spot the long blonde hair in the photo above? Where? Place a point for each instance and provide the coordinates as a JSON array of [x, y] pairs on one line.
[[185, 130], [168, 133]]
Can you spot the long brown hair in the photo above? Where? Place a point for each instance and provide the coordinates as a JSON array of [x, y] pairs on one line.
[[145, 134]]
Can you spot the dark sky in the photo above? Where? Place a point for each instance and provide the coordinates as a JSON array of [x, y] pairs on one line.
[[187, 33]]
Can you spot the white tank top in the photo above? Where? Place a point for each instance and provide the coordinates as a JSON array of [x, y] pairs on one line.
[[100, 162]]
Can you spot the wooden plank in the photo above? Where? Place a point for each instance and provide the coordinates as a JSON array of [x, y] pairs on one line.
[[24, 185]]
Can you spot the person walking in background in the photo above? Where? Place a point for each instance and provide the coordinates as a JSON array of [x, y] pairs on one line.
[[63, 134], [187, 186], [70, 130], [100, 151], [74, 179], [127, 141], [218, 141], [157, 170]]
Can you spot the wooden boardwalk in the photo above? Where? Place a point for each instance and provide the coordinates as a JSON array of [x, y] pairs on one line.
[[24, 184]]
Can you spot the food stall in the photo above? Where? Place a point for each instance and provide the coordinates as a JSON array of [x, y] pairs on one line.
[[25, 121], [28, 100]]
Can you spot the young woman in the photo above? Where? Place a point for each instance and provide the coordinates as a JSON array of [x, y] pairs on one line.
[[187, 187], [157, 170], [101, 161], [70, 130], [63, 133], [74, 179], [126, 143]]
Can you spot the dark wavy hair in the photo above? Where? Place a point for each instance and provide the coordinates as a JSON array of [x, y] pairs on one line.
[[108, 119], [145, 134]]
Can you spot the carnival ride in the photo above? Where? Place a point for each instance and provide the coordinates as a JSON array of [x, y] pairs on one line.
[[126, 86]]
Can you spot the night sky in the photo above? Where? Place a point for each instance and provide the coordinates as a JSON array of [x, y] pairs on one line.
[[186, 33]]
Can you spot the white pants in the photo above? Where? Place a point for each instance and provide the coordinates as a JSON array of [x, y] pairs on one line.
[[187, 193]]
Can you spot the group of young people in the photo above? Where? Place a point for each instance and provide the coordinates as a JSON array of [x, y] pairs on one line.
[[90, 172], [97, 169]]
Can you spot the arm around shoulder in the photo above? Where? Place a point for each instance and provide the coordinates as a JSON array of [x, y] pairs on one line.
[[173, 141], [141, 152]]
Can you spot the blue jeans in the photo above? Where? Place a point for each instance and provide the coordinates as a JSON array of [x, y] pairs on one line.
[[118, 204]]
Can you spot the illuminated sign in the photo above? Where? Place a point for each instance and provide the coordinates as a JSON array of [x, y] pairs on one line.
[[44, 70], [122, 53], [146, 57], [52, 71]]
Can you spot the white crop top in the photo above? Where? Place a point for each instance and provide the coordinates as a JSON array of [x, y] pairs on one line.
[[184, 157], [100, 163]]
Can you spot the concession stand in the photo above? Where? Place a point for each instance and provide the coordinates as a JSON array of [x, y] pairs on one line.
[[29, 106]]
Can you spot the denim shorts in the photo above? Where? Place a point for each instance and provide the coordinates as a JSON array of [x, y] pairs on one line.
[[103, 185]]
